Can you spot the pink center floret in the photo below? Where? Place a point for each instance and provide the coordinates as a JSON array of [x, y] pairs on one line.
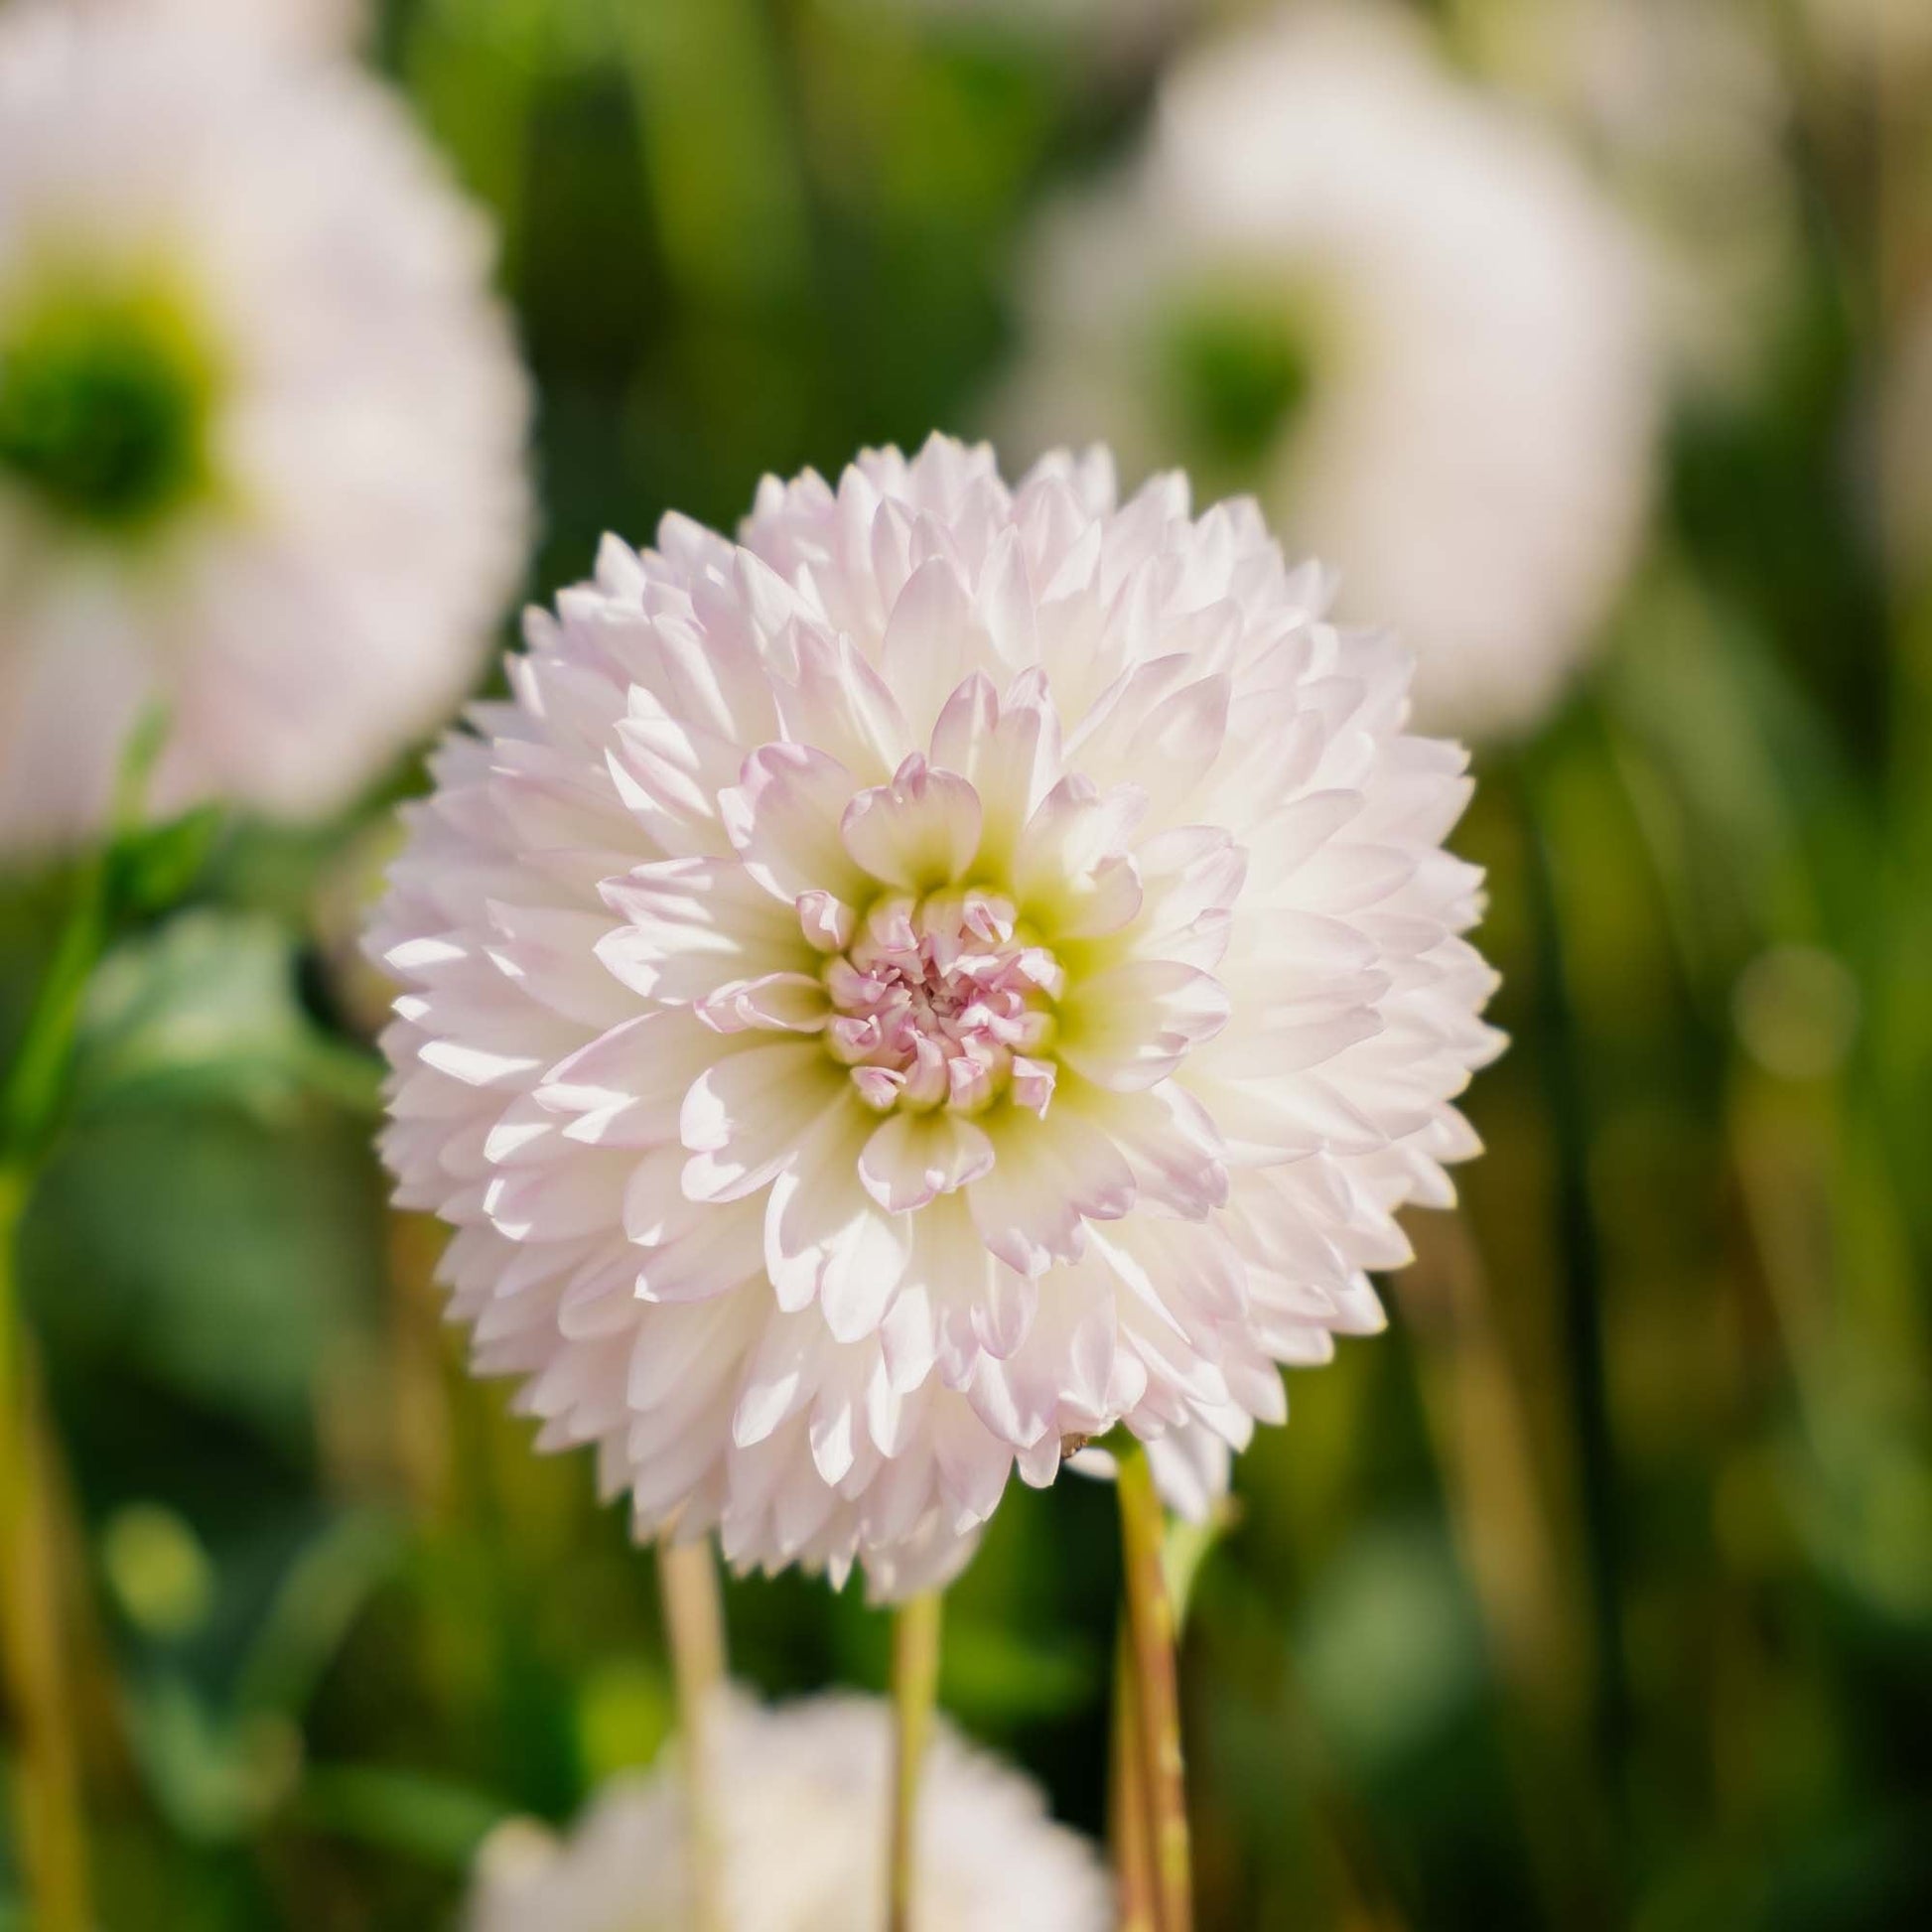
[[939, 1004]]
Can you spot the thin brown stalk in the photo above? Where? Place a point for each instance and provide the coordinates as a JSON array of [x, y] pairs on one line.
[[693, 1631], [1127, 1801], [915, 1693], [51, 1835], [1157, 1696]]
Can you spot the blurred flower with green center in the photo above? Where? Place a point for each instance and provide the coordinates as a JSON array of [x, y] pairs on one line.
[[1341, 278], [261, 424], [891, 999], [1239, 368], [804, 1791], [106, 398]]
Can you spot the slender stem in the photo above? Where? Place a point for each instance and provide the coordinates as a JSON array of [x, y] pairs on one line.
[[33, 1655], [915, 1693], [1127, 1800], [51, 1839], [36, 1084], [1151, 1633], [694, 1628]]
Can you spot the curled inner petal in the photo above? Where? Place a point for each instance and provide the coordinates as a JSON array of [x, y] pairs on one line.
[[941, 1001]]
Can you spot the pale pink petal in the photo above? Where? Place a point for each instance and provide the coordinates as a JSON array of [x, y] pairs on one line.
[[1010, 753], [1168, 1139], [933, 640], [795, 1003], [842, 707], [1047, 1177], [1129, 1026], [644, 1067], [783, 816], [1074, 828], [743, 1118], [691, 925], [910, 1157], [825, 1238], [918, 833]]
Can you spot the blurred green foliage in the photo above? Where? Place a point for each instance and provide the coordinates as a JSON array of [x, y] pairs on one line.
[[1597, 1594]]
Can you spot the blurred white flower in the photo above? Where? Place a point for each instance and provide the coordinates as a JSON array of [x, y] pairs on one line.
[[803, 1792], [1687, 112], [967, 968], [294, 26], [1340, 277], [261, 424]]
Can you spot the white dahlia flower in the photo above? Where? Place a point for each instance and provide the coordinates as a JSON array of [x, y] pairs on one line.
[[261, 424], [804, 1792], [889, 999], [1341, 278]]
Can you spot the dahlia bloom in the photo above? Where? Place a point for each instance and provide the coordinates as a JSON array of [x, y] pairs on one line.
[[1341, 278], [805, 1793], [261, 423], [895, 997]]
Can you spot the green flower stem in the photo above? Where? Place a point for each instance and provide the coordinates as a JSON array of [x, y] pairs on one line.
[[52, 1842], [915, 1694], [37, 1083], [51, 1828], [694, 1630], [1156, 1729], [1127, 1801]]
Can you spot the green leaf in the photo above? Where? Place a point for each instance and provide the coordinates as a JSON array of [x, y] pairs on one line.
[[224, 1258], [207, 1006], [321, 1598], [215, 1777], [153, 866], [429, 1819]]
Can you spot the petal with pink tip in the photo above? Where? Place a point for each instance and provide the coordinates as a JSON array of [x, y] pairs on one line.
[[784, 815], [692, 923], [1008, 751], [743, 1118], [911, 1157], [919, 832], [842, 707], [1133, 1024], [793, 1003], [1048, 1176], [825, 1238], [933, 639], [1075, 827]]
